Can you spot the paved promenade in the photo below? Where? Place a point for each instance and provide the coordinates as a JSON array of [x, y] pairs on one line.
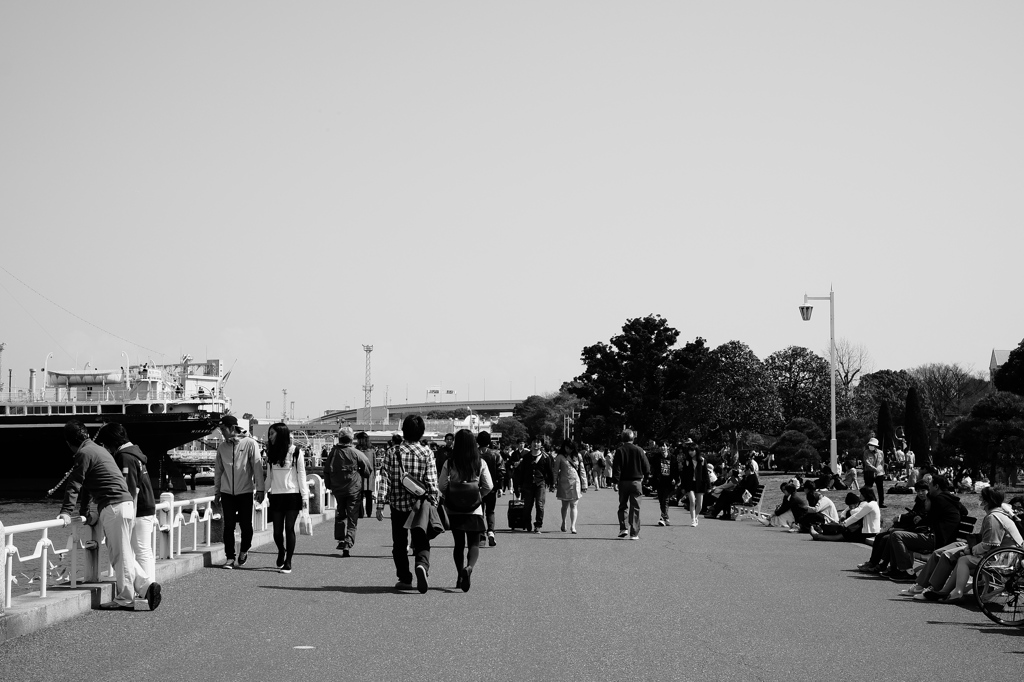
[[727, 600]]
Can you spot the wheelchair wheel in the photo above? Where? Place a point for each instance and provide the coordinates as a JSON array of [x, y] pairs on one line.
[[999, 586]]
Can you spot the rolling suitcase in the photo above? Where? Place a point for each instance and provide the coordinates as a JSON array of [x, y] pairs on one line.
[[517, 515]]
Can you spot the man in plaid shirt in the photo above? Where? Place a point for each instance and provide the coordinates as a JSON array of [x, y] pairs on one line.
[[418, 461]]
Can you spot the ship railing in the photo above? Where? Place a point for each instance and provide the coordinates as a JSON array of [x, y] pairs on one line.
[[100, 395], [81, 538], [173, 517]]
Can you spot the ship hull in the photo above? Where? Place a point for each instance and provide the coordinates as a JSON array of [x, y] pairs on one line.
[[37, 457]]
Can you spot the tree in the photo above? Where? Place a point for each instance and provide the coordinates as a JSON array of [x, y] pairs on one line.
[[511, 430], [851, 436], [917, 430], [538, 416], [793, 450], [990, 438], [635, 380], [890, 387], [802, 381], [731, 392], [885, 430], [951, 388], [852, 361], [1010, 376]]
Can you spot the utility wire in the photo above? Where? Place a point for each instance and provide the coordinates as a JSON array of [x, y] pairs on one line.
[[45, 330], [78, 317]]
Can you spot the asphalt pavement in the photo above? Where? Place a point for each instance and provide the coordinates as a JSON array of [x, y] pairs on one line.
[[723, 601]]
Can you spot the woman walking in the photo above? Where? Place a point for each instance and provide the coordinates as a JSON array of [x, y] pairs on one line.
[[571, 482], [287, 489], [694, 478], [464, 481]]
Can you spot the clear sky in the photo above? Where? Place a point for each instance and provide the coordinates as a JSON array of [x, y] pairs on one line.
[[479, 190]]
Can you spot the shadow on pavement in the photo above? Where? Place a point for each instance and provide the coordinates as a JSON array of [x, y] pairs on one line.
[[349, 589]]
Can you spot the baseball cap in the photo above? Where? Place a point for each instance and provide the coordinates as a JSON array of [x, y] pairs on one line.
[[229, 420]]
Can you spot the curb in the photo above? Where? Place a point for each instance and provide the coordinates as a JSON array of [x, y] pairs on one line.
[[29, 613]]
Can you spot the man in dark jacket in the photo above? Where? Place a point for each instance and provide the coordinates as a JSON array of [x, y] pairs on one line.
[[345, 469], [629, 467], [943, 519], [95, 475], [666, 474], [132, 463], [533, 478], [493, 461]]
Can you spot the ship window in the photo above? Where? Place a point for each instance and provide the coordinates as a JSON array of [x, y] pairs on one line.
[[112, 409], [17, 409], [3, 410], [86, 409], [38, 409], [63, 409]]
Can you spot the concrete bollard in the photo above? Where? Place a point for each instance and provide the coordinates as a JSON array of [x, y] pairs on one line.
[[316, 494], [165, 524]]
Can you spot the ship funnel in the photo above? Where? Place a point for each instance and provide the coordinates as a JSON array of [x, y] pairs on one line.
[[32, 384]]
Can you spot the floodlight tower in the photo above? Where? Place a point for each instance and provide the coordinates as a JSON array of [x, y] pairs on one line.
[[367, 386], [2, 346]]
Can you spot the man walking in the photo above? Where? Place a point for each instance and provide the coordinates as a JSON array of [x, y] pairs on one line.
[[417, 461], [95, 475], [533, 477], [629, 467], [345, 470], [493, 461], [237, 476]]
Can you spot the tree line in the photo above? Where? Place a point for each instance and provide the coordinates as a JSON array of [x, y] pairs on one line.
[[645, 379]]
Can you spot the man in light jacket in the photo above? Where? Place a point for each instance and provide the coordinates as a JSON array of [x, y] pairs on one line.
[[237, 475]]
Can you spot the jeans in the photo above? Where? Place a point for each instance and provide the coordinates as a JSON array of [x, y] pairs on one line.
[[903, 543], [629, 494], [533, 495], [117, 521], [346, 516], [400, 546], [236, 509], [490, 500], [665, 490]]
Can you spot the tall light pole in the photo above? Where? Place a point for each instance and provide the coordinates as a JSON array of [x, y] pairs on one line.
[[805, 313]]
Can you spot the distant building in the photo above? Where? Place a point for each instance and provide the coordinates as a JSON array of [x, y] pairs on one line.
[[998, 360]]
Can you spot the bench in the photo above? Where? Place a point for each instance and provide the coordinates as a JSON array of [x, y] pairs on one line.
[[751, 508], [962, 535]]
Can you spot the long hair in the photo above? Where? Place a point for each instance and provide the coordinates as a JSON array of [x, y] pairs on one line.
[[277, 450], [465, 455], [569, 450]]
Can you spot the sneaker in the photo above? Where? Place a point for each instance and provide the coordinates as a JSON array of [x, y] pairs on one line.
[[287, 568], [634, 537], [883, 506], [661, 522], [345, 553], [490, 540], [867, 567], [421, 578], [623, 533], [116, 606], [242, 558], [536, 529], [402, 585], [899, 576], [153, 596], [694, 523], [280, 559], [229, 564], [341, 545], [794, 529]]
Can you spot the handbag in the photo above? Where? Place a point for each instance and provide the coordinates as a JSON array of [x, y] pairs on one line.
[[305, 523], [414, 486]]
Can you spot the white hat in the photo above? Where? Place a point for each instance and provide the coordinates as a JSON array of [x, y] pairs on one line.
[[873, 441]]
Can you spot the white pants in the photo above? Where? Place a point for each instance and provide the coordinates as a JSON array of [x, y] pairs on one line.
[[785, 520], [117, 521], [142, 546]]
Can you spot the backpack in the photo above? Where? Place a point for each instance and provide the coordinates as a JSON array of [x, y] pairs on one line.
[[463, 497], [342, 471]]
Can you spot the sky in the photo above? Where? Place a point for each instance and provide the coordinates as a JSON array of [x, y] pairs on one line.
[[480, 190]]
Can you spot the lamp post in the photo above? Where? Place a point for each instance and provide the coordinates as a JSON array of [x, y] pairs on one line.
[[805, 313], [127, 363]]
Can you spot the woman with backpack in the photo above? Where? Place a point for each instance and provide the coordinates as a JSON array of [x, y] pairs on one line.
[[287, 487], [464, 481]]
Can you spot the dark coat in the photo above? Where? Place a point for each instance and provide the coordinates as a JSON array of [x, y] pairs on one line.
[[695, 478]]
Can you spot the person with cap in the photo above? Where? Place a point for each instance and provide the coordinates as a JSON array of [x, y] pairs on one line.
[[344, 471], [874, 469], [629, 467], [237, 477], [95, 475], [694, 478], [493, 461]]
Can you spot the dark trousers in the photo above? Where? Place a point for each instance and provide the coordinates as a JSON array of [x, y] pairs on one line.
[[236, 509], [665, 490], [284, 532], [811, 519], [903, 543], [533, 496], [880, 550], [400, 546], [879, 483], [346, 516], [629, 495], [490, 500]]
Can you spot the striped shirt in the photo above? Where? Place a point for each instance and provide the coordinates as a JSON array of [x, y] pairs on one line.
[[418, 462]]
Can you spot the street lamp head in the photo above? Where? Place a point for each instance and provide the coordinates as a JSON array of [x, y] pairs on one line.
[[805, 312]]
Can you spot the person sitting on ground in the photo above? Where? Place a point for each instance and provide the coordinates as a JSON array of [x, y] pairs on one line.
[[912, 520], [790, 510], [997, 530], [861, 520], [943, 520], [820, 510]]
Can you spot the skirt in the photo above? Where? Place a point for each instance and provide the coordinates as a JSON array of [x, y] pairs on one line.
[[285, 502], [472, 523]]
